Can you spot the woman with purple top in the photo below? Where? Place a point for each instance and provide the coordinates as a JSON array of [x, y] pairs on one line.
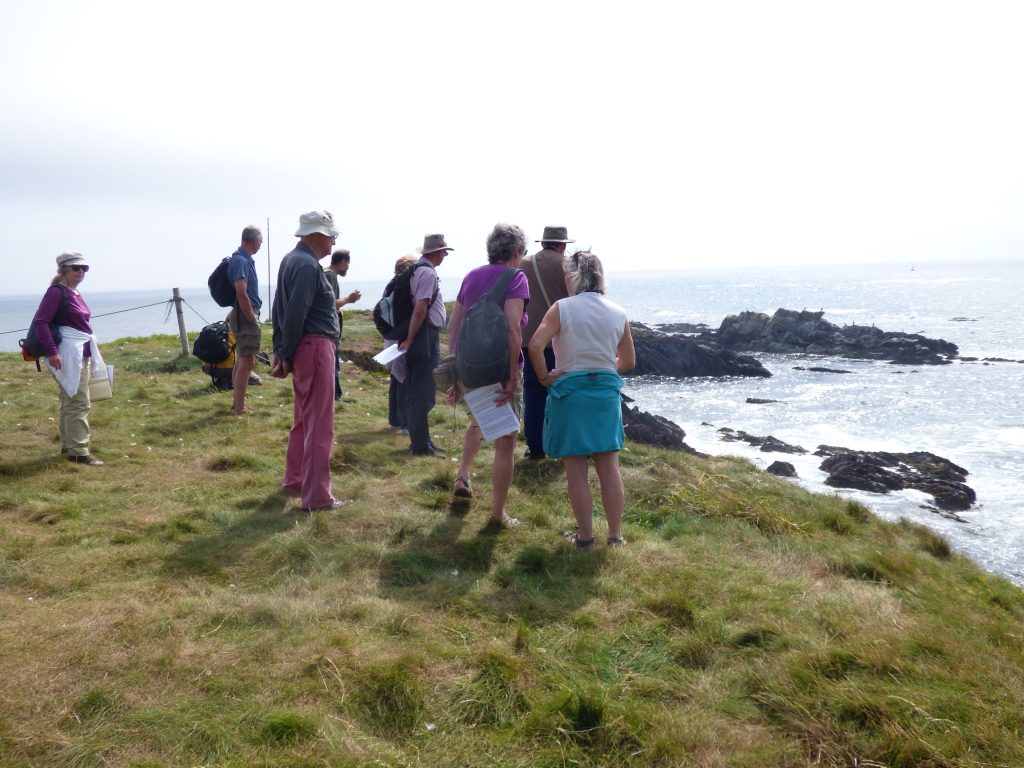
[[506, 246], [70, 362]]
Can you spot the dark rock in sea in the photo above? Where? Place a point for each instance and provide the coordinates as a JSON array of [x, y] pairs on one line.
[[651, 429], [781, 469], [881, 472], [768, 444], [818, 369], [659, 354], [761, 401], [682, 327], [792, 332]]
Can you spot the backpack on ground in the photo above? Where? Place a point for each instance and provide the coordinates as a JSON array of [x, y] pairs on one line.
[[481, 355], [221, 289], [392, 313], [215, 346]]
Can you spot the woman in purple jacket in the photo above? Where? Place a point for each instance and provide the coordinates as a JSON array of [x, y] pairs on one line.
[[63, 305]]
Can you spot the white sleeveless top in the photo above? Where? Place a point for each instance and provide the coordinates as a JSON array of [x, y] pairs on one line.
[[591, 328]]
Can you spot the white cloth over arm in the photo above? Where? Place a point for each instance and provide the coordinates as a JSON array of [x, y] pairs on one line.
[[72, 353]]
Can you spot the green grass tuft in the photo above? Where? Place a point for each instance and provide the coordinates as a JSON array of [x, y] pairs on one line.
[[390, 696], [285, 727]]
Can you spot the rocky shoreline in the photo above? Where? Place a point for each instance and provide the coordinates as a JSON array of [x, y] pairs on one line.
[[691, 350]]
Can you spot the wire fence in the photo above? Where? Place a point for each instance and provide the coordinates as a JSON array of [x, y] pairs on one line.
[[167, 314]]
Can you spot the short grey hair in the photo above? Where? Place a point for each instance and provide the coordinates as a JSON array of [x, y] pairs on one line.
[[586, 271], [503, 242], [251, 233]]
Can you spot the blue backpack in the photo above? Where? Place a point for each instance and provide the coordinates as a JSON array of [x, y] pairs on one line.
[[221, 289]]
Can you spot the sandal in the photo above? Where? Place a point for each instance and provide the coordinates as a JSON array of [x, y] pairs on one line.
[[574, 540], [463, 489], [616, 541]]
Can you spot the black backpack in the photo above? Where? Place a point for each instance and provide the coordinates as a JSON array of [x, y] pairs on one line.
[[32, 348], [211, 345], [392, 313], [221, 289], [481, 356]]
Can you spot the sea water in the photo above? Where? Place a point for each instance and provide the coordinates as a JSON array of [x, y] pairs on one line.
[[969, 412]]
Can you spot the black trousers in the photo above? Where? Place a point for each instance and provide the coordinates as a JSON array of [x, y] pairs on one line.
[[422, 357], [535, 398], [396, 404]]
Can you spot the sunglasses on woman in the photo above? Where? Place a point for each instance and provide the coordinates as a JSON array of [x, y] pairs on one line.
[[80, 267]]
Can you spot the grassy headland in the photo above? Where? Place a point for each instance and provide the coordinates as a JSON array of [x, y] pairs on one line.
[[173, 609]]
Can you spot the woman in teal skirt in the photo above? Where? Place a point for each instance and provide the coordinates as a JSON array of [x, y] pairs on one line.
[[593, 346]]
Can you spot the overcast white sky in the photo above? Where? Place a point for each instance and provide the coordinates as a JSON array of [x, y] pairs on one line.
[[664, 135]]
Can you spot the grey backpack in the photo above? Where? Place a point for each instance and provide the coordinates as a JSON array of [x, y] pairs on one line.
[[481, 355]]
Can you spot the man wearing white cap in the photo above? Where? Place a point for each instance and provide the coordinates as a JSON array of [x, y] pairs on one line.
[[423, 345], [305, 337]]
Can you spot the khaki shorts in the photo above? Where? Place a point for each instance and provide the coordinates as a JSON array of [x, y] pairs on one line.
[[247, 335], [516, 402]]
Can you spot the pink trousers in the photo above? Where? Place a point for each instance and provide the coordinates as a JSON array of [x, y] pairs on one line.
[[308, 464]]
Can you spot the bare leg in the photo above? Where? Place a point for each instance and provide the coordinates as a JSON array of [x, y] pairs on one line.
[[471, 443], [579, 495], [501, 475], [240, 379], [613, 495]]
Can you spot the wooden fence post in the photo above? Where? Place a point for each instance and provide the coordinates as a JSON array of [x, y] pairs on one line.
[[181, 321]]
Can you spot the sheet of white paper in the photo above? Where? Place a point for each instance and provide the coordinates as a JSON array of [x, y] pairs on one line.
[[494, 420], [389, 354]]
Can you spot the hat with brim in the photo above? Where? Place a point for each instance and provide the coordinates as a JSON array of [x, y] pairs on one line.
[[433, 244], [71, 259], [316, 222], [555, 235]]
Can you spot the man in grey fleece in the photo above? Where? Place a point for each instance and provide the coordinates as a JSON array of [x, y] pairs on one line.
[[305, 337]]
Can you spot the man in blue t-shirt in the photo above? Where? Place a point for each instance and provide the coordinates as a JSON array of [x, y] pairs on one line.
[[244, 317]]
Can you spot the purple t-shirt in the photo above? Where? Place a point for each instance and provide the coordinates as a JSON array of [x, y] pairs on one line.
[[78, 315], [479, 281]]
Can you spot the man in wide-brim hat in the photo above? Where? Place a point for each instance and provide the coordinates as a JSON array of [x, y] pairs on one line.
[[423, 344], [547, 285]]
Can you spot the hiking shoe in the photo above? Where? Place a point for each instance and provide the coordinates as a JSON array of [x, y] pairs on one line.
[[89, 461], [463, 488], [574, 541]]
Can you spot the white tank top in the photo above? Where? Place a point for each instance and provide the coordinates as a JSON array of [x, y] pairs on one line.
[[591, 328]]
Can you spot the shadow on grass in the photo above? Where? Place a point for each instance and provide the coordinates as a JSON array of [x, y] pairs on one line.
[[29, 467], [440, 564], [197, 422], [539, 584], [214, 554], [544, 584]]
